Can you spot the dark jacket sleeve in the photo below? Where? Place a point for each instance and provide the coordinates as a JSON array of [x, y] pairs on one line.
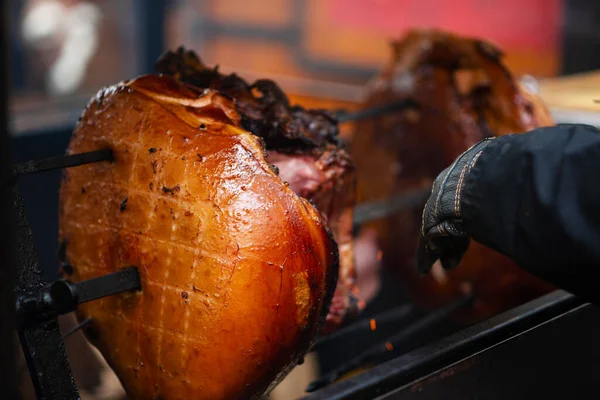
[[535, 197]]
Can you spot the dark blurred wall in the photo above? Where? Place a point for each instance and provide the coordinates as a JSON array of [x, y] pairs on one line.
[[347, 40], [581, 43]]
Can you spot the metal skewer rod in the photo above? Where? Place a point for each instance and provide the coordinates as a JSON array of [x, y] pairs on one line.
[[127, 279], [63, 296], [375, 111], [77, 327], [73, 160], [371, 211]]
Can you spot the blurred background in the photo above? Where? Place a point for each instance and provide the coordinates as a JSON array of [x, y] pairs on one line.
[[62, 51], [321, 52]]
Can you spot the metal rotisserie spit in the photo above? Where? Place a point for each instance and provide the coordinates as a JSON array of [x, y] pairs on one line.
[[411, 349]]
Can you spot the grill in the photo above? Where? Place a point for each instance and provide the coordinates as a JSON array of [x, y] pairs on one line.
[[547, 347], [528, 344], [38, 302]]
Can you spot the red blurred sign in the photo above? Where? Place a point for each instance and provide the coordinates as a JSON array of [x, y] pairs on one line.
[[534, 24]]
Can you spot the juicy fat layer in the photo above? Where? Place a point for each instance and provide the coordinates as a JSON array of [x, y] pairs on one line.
[[237, 271]]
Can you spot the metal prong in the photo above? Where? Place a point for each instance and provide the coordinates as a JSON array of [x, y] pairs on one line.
[[375, 111], [77, 327], [63, 296], [125, 280], [378, 209], [73, 160]]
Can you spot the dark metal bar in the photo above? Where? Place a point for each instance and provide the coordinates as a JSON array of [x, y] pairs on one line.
[[122, 281], [8, 377], [376, 111], [365, 326], [151, 33], [52, 163], [17, 73], [42, 210], [552, 360], [38, 305], [421, 362], [63, 296], [393, 343], [378, 209], [42, 343]]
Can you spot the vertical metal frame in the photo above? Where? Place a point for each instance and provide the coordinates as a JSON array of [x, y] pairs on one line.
[[8, 381], [150, 32]]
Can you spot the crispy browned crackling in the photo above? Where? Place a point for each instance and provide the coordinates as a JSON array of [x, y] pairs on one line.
[[464, 93], [237, 270], [304, 145]]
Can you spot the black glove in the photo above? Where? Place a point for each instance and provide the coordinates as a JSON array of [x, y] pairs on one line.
[[442, 235]]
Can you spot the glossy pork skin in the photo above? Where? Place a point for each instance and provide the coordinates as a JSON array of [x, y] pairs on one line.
[[328, 180], [464, 93], [237, 270], [304, 145]]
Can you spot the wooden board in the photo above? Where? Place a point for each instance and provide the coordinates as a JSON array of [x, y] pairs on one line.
[[576, 92], [573, 98]]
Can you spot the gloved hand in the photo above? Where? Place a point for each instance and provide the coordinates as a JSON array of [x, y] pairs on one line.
[[442, 235]]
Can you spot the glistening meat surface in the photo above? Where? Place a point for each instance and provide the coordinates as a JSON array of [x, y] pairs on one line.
[[237, 270], [304, 145], [464, 93]]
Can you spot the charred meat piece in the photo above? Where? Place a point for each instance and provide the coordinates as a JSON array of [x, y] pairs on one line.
[[463, 94], [305, 148], [237, 270]]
